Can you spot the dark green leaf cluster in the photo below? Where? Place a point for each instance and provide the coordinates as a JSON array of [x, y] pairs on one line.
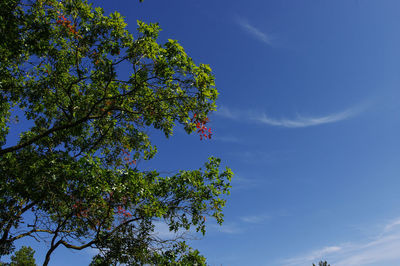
[[75, 169], [322, 263], [24, 256]]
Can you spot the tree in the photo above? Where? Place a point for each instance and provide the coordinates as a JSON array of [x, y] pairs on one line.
[[322, 263], [24, 256], [72, 178]]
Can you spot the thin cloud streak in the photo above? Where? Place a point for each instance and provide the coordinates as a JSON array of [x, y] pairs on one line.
[[391, 225], [255, 219], [378, 250], [312, 257], [241, 183], [227, 113], [258, 34], [298, 122], [302, 121], [226, 228]]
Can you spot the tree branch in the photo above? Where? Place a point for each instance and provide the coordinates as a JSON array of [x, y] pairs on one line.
[[46, 133]]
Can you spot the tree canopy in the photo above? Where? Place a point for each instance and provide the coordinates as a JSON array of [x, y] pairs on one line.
[[72, 177], [322, 263], [24, 256]]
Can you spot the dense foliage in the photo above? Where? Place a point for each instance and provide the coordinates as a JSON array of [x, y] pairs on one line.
[[322, 263], [24, 256], [90, 90]]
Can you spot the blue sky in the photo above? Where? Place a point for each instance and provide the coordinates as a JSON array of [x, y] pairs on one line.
[[308, 120]]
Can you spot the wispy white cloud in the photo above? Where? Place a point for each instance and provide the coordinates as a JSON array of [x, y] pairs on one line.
[[392, 225], [230, 229], [303, 121], [245, 183], [261, 36], [297, 122], [226, 228], [379, 250], [312, 257], [255, 219], [227, 113]]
